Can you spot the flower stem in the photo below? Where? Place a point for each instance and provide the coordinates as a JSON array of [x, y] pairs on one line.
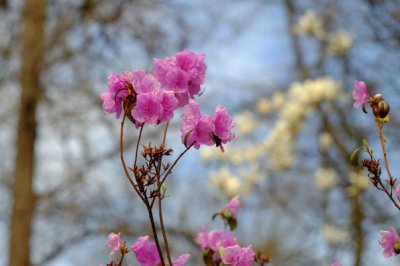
[[389, 194], [164, 234], [381, 138], [159, 196], [121, 144], [153, 228], [391, 181]]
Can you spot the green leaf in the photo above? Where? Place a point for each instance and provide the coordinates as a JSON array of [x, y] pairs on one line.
[[365, 143], [354, 156], [384, 139], [163, 189]]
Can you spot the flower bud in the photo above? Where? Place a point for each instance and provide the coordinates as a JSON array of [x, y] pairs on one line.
[[381, 110], [396, 247]]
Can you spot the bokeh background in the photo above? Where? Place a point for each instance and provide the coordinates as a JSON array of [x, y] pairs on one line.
[[283, 68]]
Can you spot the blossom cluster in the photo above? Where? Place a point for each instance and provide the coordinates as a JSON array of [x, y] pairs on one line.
[[183, 74], [145, 251], [221, 246], [152, 98], [200, 129]]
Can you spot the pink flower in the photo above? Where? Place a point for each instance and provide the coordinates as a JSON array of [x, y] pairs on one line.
[[202, 131], [360, 94], [223, 124], [237, 256], [336, 264], [110, 104], [114, 242], [191, 114], [389, 239], [233, 206], [169, 103], [194, 65], [177, 80], [215, 239], [205, 129], [146, 252], [148, 109], [181, 260], [182, 74], [144, 83], [117, 90]]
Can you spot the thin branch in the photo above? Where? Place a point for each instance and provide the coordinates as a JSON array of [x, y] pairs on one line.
[[121, 142]]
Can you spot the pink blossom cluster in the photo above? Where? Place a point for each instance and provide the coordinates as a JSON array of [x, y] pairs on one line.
[[155, 96], [152, 104], [237, 256], [147, 255], [145, 251], [151, 98], [209, 130], [183, 74], [388, 242], [226, 248], [215, 239]]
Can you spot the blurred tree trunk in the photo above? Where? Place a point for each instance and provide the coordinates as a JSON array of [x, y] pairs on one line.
[[358, 234], [32, 39]]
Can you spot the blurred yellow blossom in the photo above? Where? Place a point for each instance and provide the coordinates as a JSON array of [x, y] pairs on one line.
[[301, 99], [226, 181], [334, 235], [252, 174], [246, 123], [359, 181], [340, 42], [325, 178], [278, 99], [309, 23], [325, 141], [263, 106]]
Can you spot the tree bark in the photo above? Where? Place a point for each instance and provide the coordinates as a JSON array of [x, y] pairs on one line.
[[32, 40], [358, 234]]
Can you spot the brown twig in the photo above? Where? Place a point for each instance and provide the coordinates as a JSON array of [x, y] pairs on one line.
[[160, 214], [383, 188], [381, 138], [121, 143], [153, 228], [391, 181]]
